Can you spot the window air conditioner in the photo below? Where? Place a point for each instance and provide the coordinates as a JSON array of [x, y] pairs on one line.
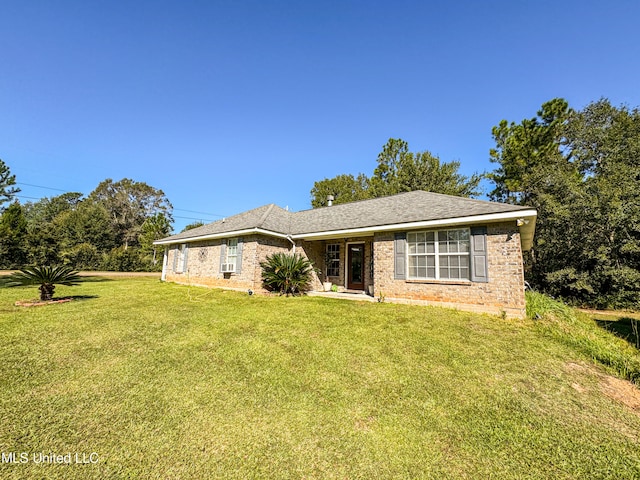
[[228, 267]]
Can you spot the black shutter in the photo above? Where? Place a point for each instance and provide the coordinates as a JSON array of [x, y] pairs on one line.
[[479, 264], [400, 257]]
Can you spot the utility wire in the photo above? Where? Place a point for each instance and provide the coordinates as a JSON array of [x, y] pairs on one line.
[[175, 216], [40, 186], [192, 218], [203, 213], [24, 196]]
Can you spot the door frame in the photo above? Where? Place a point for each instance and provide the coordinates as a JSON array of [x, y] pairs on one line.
[[348, 264]]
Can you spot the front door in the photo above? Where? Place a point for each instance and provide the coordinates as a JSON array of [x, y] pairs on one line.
[[355, 265]]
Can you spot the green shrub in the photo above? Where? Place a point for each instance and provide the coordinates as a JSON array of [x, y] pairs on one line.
[[123, 260], [84, 256], [287, 274]]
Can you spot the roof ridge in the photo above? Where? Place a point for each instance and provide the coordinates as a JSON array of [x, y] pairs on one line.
[[265, 214]]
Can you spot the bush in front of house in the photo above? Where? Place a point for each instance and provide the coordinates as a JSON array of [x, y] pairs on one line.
[[287, 274]]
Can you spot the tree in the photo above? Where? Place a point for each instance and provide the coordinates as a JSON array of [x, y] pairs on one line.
[[7, 190], [193, 225], [46, 238], [605, 143], [154, 228], [129, 204], [13, 233], [580, 170], [535, 170], [344, 189], [83, 235], [399, 170], [529, 155]]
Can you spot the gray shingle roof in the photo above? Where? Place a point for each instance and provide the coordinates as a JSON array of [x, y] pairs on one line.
[[417, 206], [268, 217]]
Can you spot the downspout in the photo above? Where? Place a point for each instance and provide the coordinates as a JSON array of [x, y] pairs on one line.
[[292, 243], [165, 261]]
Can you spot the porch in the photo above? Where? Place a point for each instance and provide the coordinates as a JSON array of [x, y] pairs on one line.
[[343, 264]]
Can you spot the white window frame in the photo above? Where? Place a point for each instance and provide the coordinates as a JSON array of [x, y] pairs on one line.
[[439, 236], [334, 262], [231, 253]]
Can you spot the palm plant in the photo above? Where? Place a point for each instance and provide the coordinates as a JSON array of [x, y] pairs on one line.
[[46, 277], [287, 274]]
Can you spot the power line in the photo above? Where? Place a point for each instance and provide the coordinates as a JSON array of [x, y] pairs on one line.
[[192, 218], [203, 213], [24, 196], [40, 186], [176, 209]]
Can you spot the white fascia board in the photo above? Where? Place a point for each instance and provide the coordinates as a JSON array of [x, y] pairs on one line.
[[213, 236], [368, 231]]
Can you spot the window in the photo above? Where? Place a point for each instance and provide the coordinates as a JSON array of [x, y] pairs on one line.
[[333, 260], [442, 254], [180, 264], [232, 251]]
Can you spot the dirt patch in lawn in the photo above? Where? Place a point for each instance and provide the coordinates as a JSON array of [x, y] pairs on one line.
[[623, 391], [615, 388], [40, 303]]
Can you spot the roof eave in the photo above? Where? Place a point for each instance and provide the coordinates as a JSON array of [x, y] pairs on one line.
[[214, 236], [525, 215]]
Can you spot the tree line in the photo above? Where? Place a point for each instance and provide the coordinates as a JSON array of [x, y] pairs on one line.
[[113, 228], [579, 168]]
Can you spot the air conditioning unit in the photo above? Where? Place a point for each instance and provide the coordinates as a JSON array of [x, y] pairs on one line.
[[228, 268]]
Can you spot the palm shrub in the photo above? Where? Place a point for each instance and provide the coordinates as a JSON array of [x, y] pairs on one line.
[[286, 273], [46, 277]]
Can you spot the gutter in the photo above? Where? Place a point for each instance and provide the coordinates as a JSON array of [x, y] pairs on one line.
[[212, 236], [526, 222], [367, 231]]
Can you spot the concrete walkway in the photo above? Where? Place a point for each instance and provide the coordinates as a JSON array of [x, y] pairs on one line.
[[360, 297]]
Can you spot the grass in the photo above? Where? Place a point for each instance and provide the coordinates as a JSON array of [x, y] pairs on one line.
[[585, 333], [165, 381]]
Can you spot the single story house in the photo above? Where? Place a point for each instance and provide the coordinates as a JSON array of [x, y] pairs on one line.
[[414, 247]]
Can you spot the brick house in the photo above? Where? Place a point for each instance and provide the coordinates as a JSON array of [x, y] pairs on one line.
[[415, 247]]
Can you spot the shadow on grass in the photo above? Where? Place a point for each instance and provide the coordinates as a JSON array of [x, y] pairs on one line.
[[622, 327], [79, 297], [95, 278]]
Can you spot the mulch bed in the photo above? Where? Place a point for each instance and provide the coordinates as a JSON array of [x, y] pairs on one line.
[[38, 303]]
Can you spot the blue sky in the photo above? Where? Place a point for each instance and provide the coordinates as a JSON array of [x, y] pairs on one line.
[[229, 105]]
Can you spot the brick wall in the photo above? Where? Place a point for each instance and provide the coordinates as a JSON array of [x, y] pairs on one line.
[[503, 292], [203, 263]]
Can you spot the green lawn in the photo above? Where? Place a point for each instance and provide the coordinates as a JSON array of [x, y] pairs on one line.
[[165, 381]]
